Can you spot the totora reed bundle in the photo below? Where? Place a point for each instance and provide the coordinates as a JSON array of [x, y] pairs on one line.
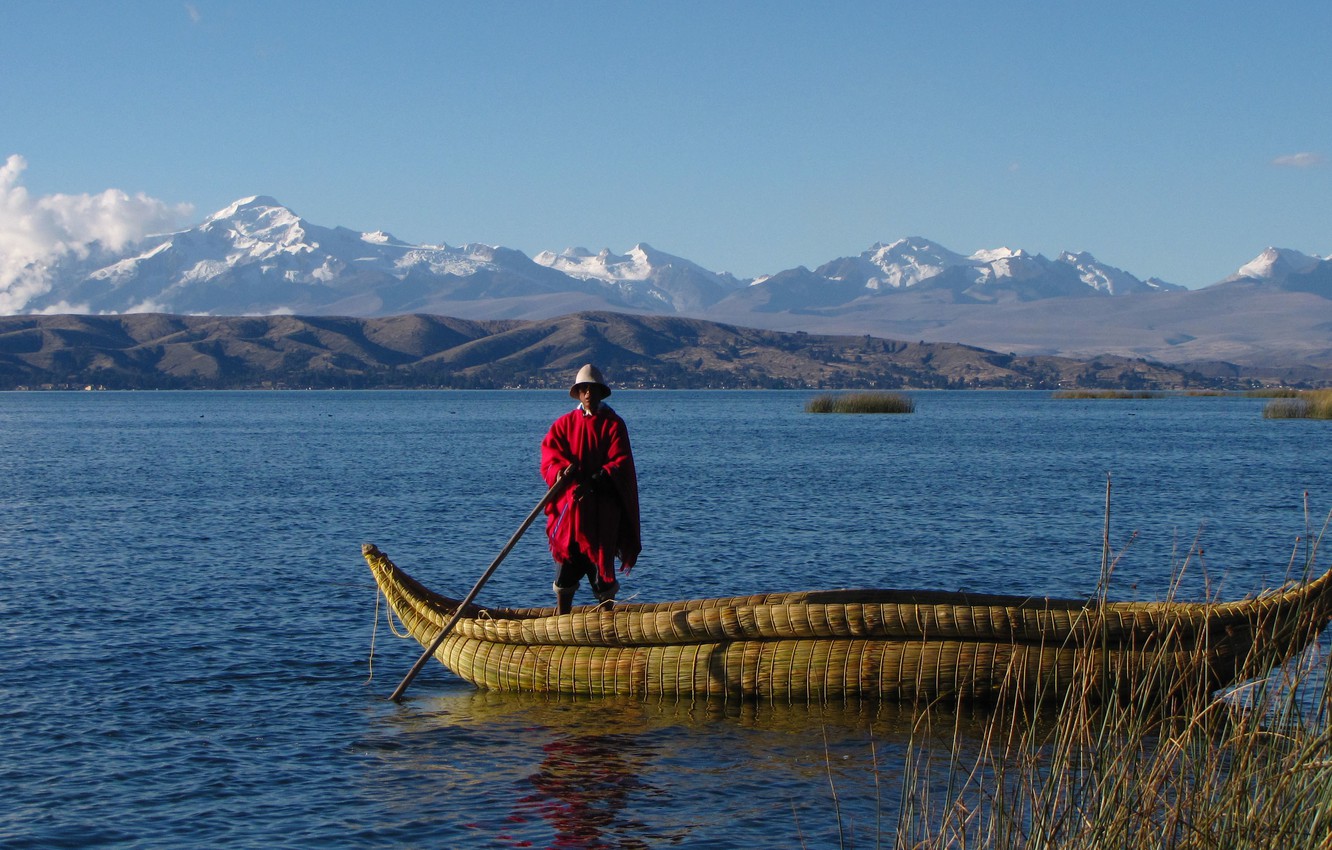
[[897, 645]]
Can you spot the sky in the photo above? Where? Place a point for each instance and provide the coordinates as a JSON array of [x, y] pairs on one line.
[[1170, 139]]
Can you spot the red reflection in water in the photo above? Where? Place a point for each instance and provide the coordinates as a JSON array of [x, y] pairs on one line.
[[582, 789]]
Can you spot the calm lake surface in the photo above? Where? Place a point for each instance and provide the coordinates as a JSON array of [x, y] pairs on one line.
[[187, 622]]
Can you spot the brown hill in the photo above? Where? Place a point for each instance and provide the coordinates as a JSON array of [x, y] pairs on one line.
[[1266, 331], [203, 352]]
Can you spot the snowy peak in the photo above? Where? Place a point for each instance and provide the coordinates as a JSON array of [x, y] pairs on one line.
[[379, 237], [986, 275], [605, 266], [1276, 264], [1288, 270], [996, 255], [915, 249], [261, 221], [1108, 279], [255, 204], [1006, 264], [255, 228], [644, 277], [888, 266], [261, 224], [907, 262], [641, 263]]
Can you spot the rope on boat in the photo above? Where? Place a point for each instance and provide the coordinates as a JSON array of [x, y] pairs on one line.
[[389, 613], [613, 602], [374, 632]]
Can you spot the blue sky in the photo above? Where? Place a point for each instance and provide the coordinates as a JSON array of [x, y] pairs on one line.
[[1175, 140]]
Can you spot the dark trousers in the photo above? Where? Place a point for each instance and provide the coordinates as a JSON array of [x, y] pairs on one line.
[[578, 567]]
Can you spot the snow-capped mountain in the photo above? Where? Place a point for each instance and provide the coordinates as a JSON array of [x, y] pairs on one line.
[[1276, 264], [1110, 280], [645, 276], [258, 257], [1286, 270], [898, 265], [986, 276]]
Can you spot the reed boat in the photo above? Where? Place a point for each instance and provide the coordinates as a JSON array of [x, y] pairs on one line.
[[882, 644]]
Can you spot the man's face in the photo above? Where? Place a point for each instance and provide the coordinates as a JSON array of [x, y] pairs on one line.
[[590, 396]]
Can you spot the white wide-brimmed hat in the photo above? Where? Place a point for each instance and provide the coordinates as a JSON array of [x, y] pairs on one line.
[[589, 374]]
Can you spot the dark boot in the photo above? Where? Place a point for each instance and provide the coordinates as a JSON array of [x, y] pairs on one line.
[[606, 596], [564, 600]]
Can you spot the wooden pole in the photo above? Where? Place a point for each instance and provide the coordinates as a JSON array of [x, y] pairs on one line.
[[462, 606]]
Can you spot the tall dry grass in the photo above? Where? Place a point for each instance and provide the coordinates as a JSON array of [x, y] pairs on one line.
[[1161, 763], [1131, 773]]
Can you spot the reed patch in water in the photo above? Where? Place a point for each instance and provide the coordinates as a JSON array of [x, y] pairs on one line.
[[1106, 394], [1312, 404], [1272, 392], [861, 402]]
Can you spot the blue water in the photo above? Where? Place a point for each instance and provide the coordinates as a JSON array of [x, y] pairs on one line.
[[186, 624]]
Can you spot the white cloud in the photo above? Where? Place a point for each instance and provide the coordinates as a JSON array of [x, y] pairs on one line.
[[149, 306], [36, 232], [61, 308], [193, 11], [1304, 159]]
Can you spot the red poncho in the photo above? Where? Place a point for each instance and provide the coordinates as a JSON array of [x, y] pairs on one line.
[[603, 526]]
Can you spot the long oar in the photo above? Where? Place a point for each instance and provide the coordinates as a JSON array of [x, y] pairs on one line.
[[458, 614]]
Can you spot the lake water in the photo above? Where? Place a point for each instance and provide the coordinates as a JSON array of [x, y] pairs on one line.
[[187, 622]]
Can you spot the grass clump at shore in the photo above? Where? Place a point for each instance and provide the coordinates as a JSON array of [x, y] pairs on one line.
[[1272, 392], [1313, 404], [861, 402], [1106, 394], [1195, 777], [1146, 767]]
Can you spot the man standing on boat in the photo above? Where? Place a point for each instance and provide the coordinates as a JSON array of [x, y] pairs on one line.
[[595, 519]]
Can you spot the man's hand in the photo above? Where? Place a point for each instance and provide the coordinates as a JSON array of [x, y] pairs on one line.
[[599, 484], [626, 567]]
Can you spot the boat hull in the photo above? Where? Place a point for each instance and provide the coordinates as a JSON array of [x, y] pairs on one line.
[[862, 644], [812, 669]]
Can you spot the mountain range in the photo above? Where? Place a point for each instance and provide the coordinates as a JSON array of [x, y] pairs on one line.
[[161, 351], [256, 257]]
